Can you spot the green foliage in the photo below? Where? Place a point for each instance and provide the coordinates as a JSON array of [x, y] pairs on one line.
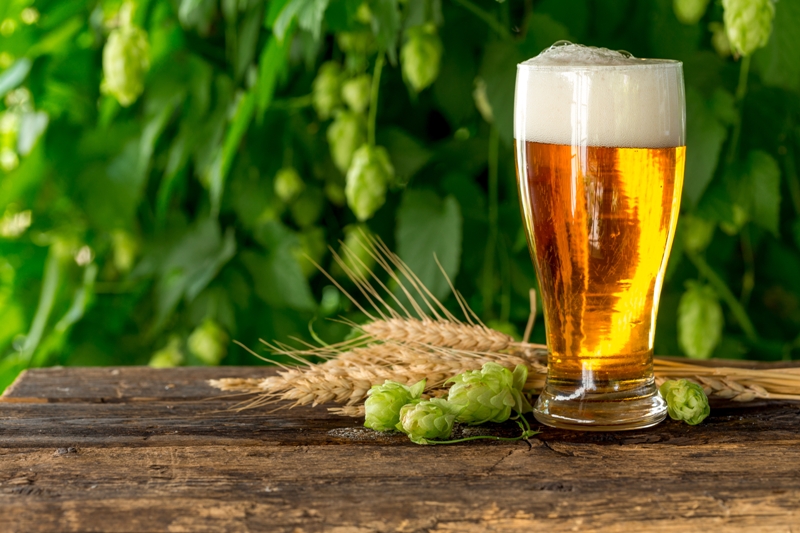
[[142, 196]]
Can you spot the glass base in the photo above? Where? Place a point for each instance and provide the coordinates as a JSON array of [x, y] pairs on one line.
[[603, 409]]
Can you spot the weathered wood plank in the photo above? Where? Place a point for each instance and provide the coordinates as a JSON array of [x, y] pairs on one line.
[[123, 384], [143, 450], [214, 422], [498, 488]]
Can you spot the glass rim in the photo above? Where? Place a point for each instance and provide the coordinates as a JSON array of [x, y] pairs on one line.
[[645, 63]]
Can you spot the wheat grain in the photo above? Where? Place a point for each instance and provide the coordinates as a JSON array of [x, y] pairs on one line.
[[442, 333]]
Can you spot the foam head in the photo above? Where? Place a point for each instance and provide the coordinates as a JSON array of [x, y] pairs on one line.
[[585, 96]]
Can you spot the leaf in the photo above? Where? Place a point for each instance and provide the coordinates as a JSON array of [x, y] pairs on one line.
[[310, 18], [57, 41], [573, 14], [385, 26], [426, 225], [543, 31], [668, 37], [700, 321], [51, 283], [246, 41], [271, 66], [14, 75], [279, 280], [308, 13], [407, 153], [454, 85], [274, 10], [705, 135], [25, 179], [779, 61], [341, 15], [499, 70], [31, 126], [238, 127], [190, 265]]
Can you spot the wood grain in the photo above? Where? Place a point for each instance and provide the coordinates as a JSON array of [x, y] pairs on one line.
[[136, 449]]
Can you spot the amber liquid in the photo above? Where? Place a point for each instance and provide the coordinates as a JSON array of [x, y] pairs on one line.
[[600, 223]]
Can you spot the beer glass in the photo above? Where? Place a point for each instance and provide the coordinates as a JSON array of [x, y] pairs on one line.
[[599, 147]]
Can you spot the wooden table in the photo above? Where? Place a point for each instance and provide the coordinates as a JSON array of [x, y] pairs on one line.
[[137, 449]]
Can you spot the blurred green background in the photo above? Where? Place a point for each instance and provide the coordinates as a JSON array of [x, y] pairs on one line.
[[166, 166]]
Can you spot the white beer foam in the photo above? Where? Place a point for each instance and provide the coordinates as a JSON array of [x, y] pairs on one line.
[[585, 96]]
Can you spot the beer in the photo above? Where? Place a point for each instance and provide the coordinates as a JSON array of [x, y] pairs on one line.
[[600, 158], [604, 259]]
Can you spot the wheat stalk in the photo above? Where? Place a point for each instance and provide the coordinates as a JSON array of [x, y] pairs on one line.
[[346, 380], [420, 339]]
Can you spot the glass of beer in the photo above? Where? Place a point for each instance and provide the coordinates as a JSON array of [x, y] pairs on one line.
[[599, 145]]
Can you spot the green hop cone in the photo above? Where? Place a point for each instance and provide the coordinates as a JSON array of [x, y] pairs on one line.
[[310, 250], [719, 39], [169, 356], [425, 420], [307, 208], [355, 252], [421, 56], [355, 92], [345, 135], [685, 401], [689, 11], [370, 173], [209, 342], [126, 60], [489, 394], [125, 249], [748, 24], [382, 407], [326, 89], [288, 184]]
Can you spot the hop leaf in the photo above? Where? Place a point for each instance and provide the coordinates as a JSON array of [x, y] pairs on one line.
[[685, 401], [370, 173], [345, 135], [355, 92], [209, 342], [424, 420], [326, 89], [690, 11], [126, 60], [748, 23], [489, 394], [421, 56], [382, 407], [288, 184]]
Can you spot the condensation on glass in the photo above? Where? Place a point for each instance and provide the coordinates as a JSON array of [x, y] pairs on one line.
[[600, 149]]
